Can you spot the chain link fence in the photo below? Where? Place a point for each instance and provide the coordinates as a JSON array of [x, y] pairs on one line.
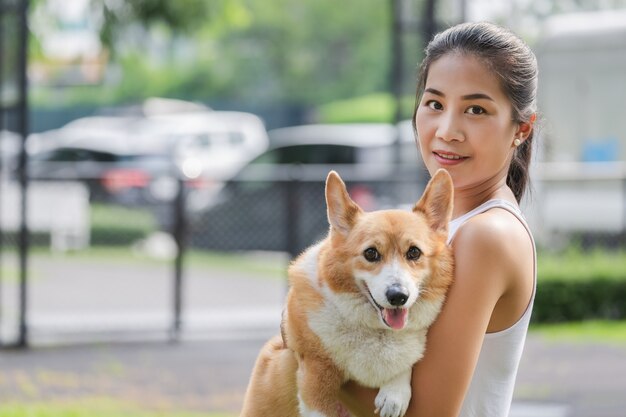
[[102, 251], [99, 245], [284, 208]]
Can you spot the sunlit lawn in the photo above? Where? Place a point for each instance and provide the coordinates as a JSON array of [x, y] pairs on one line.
[[262, 265], [577, 264], [573, 264], [593, 331], [90, 408]]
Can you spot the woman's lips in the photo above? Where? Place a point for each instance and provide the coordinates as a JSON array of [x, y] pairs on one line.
[[448, 158]]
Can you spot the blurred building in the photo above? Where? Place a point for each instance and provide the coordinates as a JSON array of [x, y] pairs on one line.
[[582, 63], [580, 181], [70, 49]]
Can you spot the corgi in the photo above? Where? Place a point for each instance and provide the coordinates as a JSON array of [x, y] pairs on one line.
[[358, 307]]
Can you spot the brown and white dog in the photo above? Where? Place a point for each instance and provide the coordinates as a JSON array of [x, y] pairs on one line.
[[358, 308]]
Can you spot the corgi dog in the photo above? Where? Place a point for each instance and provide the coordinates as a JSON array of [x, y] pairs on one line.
[[358, 307]]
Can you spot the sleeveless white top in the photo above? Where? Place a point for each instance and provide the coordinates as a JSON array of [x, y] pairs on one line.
[[491, 390]]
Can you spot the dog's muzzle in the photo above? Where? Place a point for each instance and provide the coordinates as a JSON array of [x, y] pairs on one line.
[[396, 317]]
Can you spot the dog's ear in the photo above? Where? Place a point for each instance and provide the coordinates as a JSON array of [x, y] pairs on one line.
[[436, 202], [342, 211]]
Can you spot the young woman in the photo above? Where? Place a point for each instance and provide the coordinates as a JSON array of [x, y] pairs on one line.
[[475, 109]]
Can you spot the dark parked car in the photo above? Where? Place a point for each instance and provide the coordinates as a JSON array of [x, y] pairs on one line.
[[277, 201], [105, 153], [128, 179]]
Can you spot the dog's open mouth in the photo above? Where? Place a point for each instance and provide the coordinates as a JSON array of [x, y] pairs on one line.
[[394, 318]]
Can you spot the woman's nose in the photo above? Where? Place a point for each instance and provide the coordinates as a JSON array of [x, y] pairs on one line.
[[449, 128]]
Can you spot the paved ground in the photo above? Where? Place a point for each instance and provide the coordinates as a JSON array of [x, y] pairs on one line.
[[229, 316]]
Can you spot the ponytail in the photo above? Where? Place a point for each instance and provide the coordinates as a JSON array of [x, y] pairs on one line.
[[518, 176]]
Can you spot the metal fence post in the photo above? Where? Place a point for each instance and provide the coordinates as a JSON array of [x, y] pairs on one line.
[[2, 12], [23, 175], [180, 230]]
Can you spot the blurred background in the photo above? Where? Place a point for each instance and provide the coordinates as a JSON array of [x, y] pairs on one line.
[[161, 162]]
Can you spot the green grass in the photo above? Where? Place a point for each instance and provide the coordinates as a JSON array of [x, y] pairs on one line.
[[9, 274], [577, 264], [112, 224], [115, 228], [573, 264], [120, 226], [274, 266], [594, 331], [90, 408], [265, 266]]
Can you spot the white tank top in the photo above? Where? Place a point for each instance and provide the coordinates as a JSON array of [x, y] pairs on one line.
[[491, 390]]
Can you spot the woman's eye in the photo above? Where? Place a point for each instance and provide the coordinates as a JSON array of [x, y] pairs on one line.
[[435, 105], [414, 253], [371, 255], [475, 110]]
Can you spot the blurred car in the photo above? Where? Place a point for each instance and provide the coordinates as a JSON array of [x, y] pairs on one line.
[[85, 131], [102, 152], [207, 147], [134, 159], [277, 202], [120, 178]]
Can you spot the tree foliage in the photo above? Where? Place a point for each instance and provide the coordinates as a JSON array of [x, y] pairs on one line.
[[180, 16], [265, 50], [312, 51], [289, 51]]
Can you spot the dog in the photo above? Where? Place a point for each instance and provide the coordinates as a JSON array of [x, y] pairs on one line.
[[358, 307]]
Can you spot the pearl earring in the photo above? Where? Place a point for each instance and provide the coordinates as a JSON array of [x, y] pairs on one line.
[[517, 142]]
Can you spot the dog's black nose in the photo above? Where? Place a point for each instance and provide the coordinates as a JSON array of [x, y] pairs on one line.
[[397, 295]]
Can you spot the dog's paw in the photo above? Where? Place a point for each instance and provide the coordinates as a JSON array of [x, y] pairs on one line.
[[392, 401]]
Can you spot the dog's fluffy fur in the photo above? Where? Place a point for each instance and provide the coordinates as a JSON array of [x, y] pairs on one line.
[[358, 308]]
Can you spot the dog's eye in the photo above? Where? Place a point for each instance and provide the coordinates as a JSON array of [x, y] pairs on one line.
[[413, 253], [371, 255]]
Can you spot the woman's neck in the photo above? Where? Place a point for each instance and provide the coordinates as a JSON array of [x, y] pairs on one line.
[[469, 198]]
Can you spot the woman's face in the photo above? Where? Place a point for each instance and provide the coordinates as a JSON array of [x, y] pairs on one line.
[[464, 122]]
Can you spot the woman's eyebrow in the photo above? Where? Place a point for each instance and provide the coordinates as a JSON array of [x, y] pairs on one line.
[[475, 96], [435, 92]]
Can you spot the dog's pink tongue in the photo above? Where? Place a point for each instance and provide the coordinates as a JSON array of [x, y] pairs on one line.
[[396, 317]]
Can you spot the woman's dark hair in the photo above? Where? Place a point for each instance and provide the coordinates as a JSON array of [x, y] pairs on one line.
[[507, 56]]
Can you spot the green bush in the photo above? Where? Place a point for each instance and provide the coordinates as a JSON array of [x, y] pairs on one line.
[[113, 225], [581, 285], [578, 264], [558, 301]]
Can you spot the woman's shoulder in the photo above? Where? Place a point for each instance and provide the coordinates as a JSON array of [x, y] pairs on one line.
[[495, 236]]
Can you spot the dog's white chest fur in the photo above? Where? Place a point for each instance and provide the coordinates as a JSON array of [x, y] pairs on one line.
[[368, 355]]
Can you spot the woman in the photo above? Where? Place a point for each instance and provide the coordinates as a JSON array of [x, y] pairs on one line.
[[474, 116]]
